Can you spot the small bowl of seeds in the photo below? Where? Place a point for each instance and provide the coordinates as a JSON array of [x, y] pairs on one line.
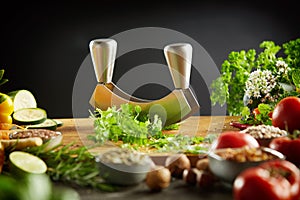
[[228, 163], [264, 134], [123, 167]]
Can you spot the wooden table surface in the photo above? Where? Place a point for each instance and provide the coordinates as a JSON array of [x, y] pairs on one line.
[[76, 130]]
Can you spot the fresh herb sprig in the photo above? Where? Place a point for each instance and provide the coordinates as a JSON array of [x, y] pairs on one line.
[[123, 124], [72, 165]]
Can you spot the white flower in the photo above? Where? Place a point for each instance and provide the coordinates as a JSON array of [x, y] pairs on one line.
[[260, 83], [282, 67]]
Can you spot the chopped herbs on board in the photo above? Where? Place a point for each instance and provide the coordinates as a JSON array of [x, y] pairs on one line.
[[139, 132]]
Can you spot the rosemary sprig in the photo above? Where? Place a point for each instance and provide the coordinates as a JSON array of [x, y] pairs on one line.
[[72, 165]]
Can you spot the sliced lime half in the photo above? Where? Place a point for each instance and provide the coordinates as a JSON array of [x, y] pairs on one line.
[[27, 162], [28, 116]]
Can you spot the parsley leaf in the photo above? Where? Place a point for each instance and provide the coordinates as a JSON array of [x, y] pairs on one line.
[[123, 124]]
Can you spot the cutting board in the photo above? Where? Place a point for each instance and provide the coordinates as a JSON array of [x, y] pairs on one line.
[[77, 129]]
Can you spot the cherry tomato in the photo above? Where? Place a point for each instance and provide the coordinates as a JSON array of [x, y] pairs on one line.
[[288, 147], [6, 104], [276, 180], [235, 139], [286, 114]]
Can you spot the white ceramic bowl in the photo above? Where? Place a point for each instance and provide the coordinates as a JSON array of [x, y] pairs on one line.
[[125, 174]]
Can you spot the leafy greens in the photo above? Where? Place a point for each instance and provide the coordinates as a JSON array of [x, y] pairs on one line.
[[230, 87], [134, 131]]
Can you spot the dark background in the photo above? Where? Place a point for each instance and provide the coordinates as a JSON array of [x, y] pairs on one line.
[[42, 45]]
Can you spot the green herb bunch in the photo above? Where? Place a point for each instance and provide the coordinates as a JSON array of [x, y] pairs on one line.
[[249, 78], [124, 124], [135, 131]]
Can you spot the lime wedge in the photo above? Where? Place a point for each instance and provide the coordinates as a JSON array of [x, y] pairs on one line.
[[22, 99], [27, 162], [28, 116]]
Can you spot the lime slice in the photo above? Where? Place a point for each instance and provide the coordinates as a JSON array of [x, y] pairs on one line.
[[28, 116], [47, 124], [22, 99], [27, 162]]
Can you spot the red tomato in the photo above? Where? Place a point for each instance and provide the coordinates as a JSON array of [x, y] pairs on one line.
[[276, 180], [286, 114], [235, 139], [289, 147]]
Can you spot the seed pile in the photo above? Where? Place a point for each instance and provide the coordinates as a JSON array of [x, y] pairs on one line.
[[264, 131], [124, 156]]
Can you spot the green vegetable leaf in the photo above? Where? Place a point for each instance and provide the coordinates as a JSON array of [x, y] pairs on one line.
[[296, 77], [264, 109], [292, 52], [172, 127], [245, 112], [124, 124], [267, 58], [263, 116], [230, 85]]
